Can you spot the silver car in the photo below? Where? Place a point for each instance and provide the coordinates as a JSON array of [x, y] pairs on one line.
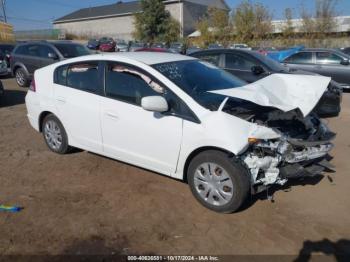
[[327, 62]]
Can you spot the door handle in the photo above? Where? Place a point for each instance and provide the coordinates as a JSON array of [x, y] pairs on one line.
[[61, 100], [112, 115]]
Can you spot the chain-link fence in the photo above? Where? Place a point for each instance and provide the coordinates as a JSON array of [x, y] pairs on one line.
[[44, 34]]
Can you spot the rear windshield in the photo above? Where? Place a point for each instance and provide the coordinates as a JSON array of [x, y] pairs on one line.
[[72, 50]]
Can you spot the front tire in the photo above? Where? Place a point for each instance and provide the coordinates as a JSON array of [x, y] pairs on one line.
[[55, 135], [218, 182]]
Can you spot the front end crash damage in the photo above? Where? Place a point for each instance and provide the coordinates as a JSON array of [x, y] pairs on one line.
[[300, 152], [274, 162], [304, 140]]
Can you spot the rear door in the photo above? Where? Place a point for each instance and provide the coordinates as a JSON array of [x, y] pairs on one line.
[[77, 90], [329, 64], [32, 58]]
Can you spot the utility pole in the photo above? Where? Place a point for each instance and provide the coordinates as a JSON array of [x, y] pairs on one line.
[[4, 10]]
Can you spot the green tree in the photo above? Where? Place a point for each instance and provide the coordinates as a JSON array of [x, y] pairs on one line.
[[154, 23]]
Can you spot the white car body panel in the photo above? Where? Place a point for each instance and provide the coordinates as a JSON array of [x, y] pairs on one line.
[[283, 91], [77, 116], [159, 143], [153, 141]]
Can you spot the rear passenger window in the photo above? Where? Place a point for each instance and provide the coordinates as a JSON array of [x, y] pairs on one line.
[[61, 75], [128, 84], [83, 76], [21, 50]]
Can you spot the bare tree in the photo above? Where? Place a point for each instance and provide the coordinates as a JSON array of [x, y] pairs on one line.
[[288, 30], [325, 16], [251, 22], [316, 27]]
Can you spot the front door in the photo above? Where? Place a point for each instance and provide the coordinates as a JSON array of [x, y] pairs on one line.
[[241, 66], [132, 134]]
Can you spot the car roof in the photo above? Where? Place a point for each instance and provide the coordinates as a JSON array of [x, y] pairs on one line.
[[318, 49], [149, 58]]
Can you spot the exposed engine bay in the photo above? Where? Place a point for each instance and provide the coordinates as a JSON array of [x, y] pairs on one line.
[[300, 152]]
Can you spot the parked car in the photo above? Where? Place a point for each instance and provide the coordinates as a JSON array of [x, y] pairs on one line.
[[215, 46], [177, 48], [240, 46], [121, 46], [252, 66], [184, 118], [30, 56], [93, 44], [192, 49], [135, 45], [327, 62], [5, 52], [281, 54], [158, 45], [345, 50], [107, 44]]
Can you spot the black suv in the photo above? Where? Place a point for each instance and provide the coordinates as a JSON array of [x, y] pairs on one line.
[[28, 57]]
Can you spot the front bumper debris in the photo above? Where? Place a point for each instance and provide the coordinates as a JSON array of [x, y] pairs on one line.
[[276, 162]]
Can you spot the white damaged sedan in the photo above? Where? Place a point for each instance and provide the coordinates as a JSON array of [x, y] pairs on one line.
[[184, 118]]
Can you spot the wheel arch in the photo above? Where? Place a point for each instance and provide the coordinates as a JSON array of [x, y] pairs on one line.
[[199, 151], [42, 117], [17, 66]]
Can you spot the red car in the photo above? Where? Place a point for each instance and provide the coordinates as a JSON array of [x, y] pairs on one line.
[[107, 44], [153, 49]]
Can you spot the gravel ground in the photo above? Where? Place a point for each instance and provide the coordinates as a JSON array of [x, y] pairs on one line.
[[83, 203]]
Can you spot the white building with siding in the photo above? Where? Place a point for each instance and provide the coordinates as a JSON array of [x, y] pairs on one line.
[[343, 25], [117, 20]]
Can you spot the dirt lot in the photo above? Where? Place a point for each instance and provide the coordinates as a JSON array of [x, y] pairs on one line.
[[83, 203]]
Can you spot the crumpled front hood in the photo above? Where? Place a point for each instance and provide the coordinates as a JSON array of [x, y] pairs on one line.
[[283, 91]]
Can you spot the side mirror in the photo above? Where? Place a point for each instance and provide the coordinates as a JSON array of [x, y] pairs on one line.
[[155, 104], [345, 62], [257, 70], [52, 56]]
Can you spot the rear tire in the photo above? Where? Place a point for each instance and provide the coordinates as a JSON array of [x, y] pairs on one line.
[[55, 135], [218, 182], [22, 77]]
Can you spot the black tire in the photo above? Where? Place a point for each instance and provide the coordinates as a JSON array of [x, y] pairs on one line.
[[22, 78], [62, 147], [232, 168]]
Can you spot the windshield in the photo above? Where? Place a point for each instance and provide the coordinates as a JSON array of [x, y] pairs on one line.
[[198, 78], [272, 64], [72, 50]]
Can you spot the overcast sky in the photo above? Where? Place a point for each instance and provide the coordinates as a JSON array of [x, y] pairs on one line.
[[39, 14]]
